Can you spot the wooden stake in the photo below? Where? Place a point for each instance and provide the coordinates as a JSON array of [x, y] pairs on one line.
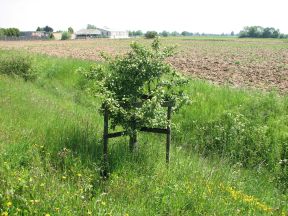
[[105, 145], [168, 137], [133, 138]]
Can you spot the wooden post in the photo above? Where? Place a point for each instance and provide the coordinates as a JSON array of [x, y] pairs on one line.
[[168, 138], [105, 145], [133, 138]]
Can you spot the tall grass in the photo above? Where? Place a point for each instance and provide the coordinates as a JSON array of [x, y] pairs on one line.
[[225, 156]]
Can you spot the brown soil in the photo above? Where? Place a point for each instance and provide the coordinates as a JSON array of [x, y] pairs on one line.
[[260, 64]]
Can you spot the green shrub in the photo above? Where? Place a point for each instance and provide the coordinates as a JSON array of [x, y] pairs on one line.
[[65, 35], [18, 65], [151, 34], [124, 80]]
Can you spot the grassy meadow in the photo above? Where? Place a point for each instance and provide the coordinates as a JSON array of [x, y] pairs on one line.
[[229, 151]]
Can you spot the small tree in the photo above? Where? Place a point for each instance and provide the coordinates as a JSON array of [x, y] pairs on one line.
[[70, 30], [2, 32], [123, 81], [164, 33], [90, 26], [48, 29], [12, 32], [175, 33], [65, 35], [151, 34]]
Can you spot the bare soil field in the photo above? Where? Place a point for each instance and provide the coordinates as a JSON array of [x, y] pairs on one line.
[[245, 63]]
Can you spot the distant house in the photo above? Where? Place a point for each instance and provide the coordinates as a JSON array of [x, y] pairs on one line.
[[114, 33], [88, 33], [101, 33]]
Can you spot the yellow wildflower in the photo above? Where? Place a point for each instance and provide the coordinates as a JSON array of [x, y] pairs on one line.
[[4, 213], [79, 175], [64, 177], [47, 214], [9, 204], [103, 203]]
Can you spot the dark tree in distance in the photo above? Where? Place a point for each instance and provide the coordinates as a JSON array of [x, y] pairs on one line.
[[70, 30], [151, 34], [90, 26], [48, 29]]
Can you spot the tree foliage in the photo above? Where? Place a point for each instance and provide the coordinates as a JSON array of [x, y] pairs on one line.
[[151, 34], [124, 81], [90, 26], [65, 35], [186, 33], [47, 29], [259, 32], [137, 33], [164, 33], [175, 33], [70, 30], [10, 32]]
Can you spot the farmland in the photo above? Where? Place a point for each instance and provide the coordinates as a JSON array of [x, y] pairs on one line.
[[229, 145], [246, 63]]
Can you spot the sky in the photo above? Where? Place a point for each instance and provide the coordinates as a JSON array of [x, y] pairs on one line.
[[209, 16]]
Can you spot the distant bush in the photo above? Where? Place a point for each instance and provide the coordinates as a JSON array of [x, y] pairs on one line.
[[151, 34], [260, 32], [18, 65], [135, 33], [65, 35], [186, 33], [10, 32], [165, 34], [2, 32], [70, 30]]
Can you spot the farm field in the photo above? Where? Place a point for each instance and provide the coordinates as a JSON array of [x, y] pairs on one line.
[[246, 63], [229, 146]]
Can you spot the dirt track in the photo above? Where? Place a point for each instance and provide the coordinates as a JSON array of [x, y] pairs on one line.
[[261, 64]]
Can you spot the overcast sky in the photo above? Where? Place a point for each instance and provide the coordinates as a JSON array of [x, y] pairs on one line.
[[209, 16]]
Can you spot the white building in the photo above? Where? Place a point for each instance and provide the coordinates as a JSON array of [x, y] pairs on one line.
[[101, 33], [114, 34]]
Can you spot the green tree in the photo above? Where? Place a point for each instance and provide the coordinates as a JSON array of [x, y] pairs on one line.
[[39, 29], [12, 32], [151, 34], [259, 32], [124, 80], [48, 29], [164, 33], [175, 33], [70, 30], [2, 32], [186, 33], [139, 33], [90, 26], [65, 35]]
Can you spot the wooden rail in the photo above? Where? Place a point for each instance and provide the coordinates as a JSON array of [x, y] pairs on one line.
[[133, 137]]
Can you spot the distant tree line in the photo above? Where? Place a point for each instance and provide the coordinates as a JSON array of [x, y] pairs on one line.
[[47, 29], [9, 32], [153, 34], [261, 32]]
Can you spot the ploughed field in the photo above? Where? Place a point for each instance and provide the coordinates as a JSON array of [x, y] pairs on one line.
[[252, 63]]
